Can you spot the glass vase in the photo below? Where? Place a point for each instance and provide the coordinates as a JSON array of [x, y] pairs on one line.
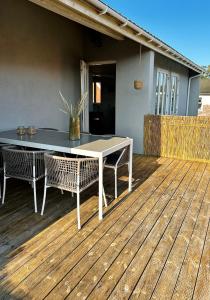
[[74, 128]]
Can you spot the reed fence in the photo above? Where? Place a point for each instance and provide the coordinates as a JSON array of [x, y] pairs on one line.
[[179, 137]]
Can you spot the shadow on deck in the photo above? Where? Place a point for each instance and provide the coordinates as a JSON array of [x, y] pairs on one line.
[[124, 255]]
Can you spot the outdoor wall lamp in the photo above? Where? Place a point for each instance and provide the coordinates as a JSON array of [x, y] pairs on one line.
[[138, 84]]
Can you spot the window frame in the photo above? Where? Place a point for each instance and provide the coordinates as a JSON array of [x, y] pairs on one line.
[[157, 96], [94, 92], [173, 74], [168, 93]]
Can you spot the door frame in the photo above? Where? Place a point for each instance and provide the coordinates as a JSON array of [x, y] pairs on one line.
[[85, 115]]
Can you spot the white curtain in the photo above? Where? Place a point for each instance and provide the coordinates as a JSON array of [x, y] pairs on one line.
[[84, 74]]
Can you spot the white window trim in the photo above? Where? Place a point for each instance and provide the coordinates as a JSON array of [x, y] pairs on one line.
[[168, 92], [166, 72], [178, 86]]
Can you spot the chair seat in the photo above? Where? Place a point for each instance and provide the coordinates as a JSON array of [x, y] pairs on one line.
[[112, 159], [116, 160], [70, 174]]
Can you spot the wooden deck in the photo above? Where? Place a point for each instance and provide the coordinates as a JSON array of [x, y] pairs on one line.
[[152, 243]]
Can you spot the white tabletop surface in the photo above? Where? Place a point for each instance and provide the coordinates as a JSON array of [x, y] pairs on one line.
[[59, 141]]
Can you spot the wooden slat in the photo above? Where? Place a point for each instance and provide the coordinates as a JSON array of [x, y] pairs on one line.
[[169, 275], [189, 271], [146, 239], [145, 246], [68, 255], [88, 228], [60, 226], [115, 246], [181, 137], [202, 288], [38, 243], [147, 282]]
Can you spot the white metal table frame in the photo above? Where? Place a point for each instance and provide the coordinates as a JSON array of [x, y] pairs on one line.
[[100, 148]]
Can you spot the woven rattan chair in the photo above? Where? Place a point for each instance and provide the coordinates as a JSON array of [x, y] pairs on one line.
[[25, 165], [1, 164], [115, 161], [70, 174], [1, 168]]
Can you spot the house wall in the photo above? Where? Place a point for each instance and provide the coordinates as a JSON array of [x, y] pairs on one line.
[[39, 55], [172, 66], [194, 97], [131, 64]]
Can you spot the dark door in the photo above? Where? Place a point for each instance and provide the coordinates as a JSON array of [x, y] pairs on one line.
[[102, 99]]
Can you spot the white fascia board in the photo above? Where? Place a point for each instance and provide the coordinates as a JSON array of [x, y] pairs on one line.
[[110, 23]]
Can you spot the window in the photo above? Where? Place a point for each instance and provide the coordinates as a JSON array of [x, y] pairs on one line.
[[161, 92], [96, 92], [167, 93]]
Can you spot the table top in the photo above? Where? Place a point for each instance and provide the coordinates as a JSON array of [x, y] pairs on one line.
[[90, 145]]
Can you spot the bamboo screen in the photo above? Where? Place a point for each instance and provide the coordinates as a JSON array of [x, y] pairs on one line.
[[177, 137]]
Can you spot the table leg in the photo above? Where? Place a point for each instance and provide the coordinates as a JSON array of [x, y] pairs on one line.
[[100, 204], [130, 166]]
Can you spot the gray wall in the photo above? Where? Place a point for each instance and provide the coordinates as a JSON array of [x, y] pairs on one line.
[[131, 104], [39, 55], [172, 66], [194, 97]]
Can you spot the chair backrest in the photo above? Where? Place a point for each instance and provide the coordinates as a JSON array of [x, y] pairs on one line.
[[70, 173], [1, 159], [23, 164], [1, 155], [124, 156]]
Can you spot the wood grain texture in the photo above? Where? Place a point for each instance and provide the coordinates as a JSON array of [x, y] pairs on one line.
[[181, 137], [152, 244]]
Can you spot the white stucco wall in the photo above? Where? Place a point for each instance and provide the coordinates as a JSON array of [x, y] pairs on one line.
[[39, 55]]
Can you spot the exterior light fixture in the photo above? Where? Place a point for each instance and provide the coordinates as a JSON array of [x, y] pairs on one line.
[[138, 84]]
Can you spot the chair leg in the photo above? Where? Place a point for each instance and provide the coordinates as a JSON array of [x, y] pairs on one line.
[[0, 189], [62, 192], [78, 210], [4, 189], [44, 198], [105, 200], [128, 174], [115, 175], [35, 200]]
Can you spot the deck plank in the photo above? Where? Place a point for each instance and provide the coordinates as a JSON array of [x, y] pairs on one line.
[[16, 278], [145, 241], [202, 288], [187, 278], [152, 244], [147, 282], [167, 280], [113, 250], [61, 225], [68, 255]]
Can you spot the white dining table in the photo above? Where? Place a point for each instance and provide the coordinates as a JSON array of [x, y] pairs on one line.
[[88, 145]]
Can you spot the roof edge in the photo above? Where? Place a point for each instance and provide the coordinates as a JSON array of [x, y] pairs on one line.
[[140, 32], [99, 16]]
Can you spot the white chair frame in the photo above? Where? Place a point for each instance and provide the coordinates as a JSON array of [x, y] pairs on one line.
[[122, 161], [1, 166], [57, 170], [24, 165]]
